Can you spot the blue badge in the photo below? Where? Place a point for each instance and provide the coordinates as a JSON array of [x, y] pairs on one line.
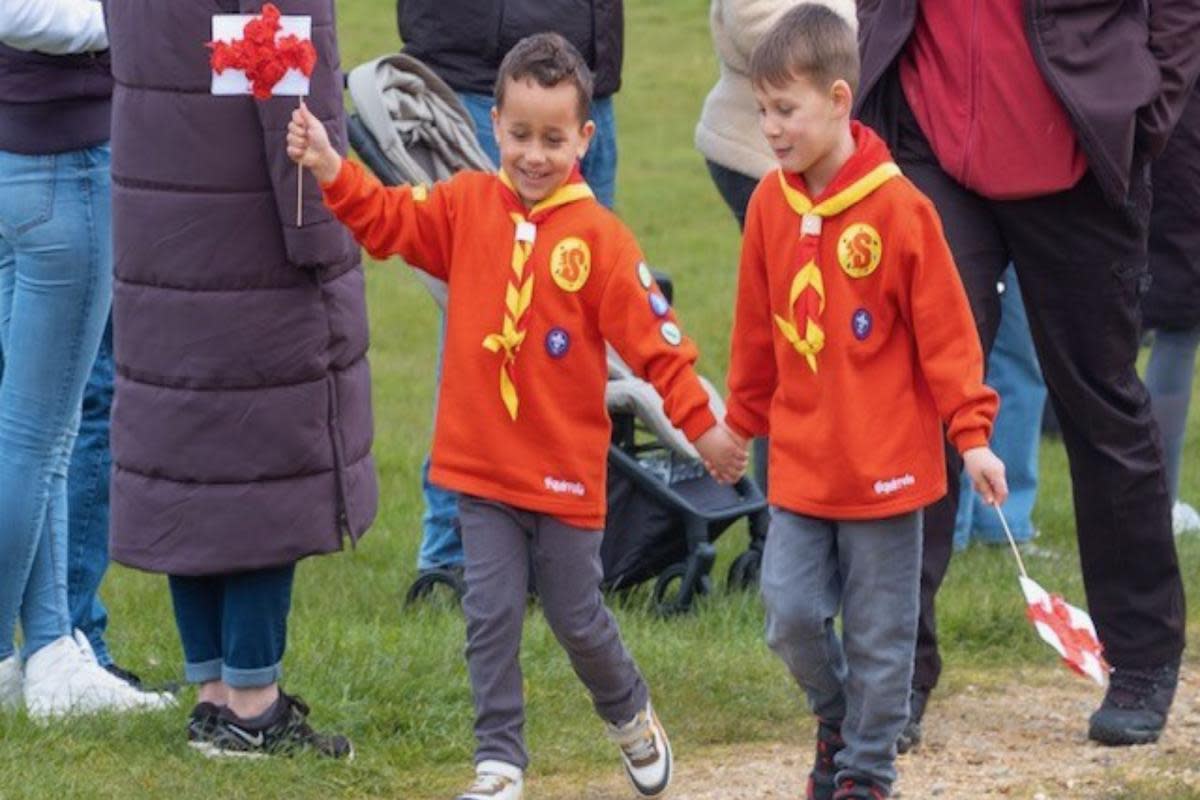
[[659, 304], [861, 324], [558, 342]]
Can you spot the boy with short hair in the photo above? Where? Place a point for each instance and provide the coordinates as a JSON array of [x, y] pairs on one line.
[[540, 276], [852, 344]]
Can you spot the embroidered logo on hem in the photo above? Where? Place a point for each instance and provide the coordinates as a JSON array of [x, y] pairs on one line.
[[892, 485], [560, 486]]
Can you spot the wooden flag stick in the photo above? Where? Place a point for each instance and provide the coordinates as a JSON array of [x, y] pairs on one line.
[[300, 187]]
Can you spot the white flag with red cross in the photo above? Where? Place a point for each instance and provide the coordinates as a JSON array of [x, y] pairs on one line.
[[1067, 629], [263, 55]]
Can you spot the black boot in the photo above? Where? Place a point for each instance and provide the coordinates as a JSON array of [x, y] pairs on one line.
[[1135, 707]]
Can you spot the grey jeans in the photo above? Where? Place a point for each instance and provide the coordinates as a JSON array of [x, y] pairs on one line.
[[871, 570], [500, 544]]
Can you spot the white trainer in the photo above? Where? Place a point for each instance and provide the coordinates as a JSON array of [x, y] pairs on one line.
[[645, 751], [64, 678], [495, 780], [1184, 518], [10, 683]]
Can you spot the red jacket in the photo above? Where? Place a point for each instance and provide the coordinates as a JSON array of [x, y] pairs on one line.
[[856, 427]]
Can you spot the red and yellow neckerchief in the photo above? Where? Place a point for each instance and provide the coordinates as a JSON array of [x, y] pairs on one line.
[[806, 298], [518, 295]]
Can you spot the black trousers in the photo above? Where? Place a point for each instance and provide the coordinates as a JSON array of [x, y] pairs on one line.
[[1082, 270]]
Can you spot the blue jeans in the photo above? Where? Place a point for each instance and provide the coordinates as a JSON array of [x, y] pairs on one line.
[[599, 165], [1014, 373], [87, 501], [55, 293], [233, 627]]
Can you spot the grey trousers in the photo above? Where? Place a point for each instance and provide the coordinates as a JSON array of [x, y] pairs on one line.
[[500, 544], [871, 569]]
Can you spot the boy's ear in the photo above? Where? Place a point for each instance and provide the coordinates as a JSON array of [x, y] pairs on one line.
[[842, 96], [495, 123], [586, 131]]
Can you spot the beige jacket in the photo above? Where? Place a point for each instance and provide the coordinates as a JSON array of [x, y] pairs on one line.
[[728, 131]]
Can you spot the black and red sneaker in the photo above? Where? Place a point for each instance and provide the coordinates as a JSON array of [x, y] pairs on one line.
[[821, 783], [859, 789]]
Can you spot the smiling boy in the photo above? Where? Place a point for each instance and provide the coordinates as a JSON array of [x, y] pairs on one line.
[[540, 277]]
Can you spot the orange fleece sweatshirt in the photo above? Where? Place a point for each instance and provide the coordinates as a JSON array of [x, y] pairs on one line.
[[853, 342], [530, 430]]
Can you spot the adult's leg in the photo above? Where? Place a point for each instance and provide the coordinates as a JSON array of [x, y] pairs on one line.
[[254, 614], [496, 544], [1169, 376], [58, 296], [1082, 267], [197, 602], [599, 164], [87, 502]]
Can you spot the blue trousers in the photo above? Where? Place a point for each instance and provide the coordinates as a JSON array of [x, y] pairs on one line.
[[1014, 373], [233, 627], [55, 293]]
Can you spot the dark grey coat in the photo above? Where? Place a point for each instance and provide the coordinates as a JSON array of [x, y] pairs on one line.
[[241, 429]]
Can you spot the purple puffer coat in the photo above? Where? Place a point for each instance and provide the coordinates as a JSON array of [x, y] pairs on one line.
[[241, 429]]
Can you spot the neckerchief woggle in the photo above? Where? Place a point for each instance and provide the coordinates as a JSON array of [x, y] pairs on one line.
[[806, 297], [518, 294]]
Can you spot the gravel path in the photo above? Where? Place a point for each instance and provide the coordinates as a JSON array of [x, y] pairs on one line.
[[1023, 741]]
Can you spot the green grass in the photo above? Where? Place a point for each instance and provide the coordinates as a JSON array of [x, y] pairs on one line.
[[395, 681]]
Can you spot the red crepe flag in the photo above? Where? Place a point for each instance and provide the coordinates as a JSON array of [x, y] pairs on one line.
[[262, 54]]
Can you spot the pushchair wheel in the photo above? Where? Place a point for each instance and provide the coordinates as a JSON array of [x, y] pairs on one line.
[[429, 580], [743, 572], [670, 597]]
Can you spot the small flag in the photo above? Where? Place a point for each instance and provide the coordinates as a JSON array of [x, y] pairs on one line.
[[263, 55], [1067, 629]]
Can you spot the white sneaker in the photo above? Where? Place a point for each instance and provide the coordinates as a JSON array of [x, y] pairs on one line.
[[645, 751], [495, 780], [1184, 518], [10, 683], [64, 678]]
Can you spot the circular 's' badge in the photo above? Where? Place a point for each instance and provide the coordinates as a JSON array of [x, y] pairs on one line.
[[671, 334], [570, 264], [558, 342], [859, 250]]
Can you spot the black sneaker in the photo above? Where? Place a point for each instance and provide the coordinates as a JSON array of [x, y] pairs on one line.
[[821, 781], [859, 789], [135, 680], [1135, 706], [202, 726], [910, 737], [286, 733]]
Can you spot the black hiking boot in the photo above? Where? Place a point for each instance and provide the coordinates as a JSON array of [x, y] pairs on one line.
[[821, 783], [1135, 707], [910, 737]]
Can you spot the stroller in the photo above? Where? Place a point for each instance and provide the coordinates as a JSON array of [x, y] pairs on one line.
[[664, 510]]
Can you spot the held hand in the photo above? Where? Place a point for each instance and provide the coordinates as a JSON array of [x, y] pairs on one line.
[[722, 455], [987, 474], [308, 145]]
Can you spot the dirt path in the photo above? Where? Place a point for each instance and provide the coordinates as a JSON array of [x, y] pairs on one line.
[[1024, 741]]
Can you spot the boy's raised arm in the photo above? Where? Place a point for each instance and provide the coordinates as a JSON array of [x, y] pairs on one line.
[[412, 222]]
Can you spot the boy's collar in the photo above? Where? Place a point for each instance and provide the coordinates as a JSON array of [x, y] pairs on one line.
[[865, 171], [572, 189]]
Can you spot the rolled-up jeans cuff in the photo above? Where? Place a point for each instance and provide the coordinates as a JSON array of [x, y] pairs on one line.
[[203, 671], [251, 678]]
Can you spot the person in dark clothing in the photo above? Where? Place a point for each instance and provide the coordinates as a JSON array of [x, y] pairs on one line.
[[242, 429], [1045, 164]]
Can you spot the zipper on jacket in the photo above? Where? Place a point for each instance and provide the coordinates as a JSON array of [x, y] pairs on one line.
[[973, 70], [339, 466]]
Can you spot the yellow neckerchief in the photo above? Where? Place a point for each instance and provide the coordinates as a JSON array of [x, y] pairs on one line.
[[806, 298], [518, 295]]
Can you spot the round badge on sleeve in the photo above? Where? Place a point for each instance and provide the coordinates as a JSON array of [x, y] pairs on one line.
[[671, 334], [571, 263], [644, 276], [659, 304], [861, 324], [558, 342]]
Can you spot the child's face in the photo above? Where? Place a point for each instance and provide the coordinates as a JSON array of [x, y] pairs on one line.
[[802, 124], [540, 136]]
